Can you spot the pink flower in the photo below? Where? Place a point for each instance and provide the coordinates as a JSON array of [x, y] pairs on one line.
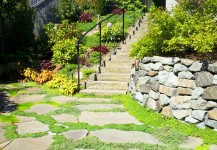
[[109, 24]]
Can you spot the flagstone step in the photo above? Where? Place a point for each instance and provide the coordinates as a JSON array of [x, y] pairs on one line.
[[107, 85], [120, 57], [118, 63], [113, 77], [116, 70], [103, 92]]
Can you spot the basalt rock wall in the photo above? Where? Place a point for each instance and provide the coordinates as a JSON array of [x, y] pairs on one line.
[[179, 88]]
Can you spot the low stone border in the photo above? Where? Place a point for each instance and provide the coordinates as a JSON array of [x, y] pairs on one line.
[[180, 88]]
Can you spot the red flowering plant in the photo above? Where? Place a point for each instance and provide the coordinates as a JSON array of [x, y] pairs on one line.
[[46, 65], [118, 11], [86, 17], [103, 49]]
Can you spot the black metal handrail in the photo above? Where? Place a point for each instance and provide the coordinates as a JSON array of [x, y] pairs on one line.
[[100, 35]]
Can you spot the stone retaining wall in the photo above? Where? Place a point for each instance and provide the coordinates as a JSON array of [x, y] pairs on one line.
[[180, 88]]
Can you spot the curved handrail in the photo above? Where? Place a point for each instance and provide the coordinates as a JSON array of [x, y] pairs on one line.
[[99, 24], [37, 3]]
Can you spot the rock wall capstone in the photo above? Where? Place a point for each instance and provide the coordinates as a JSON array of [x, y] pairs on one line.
[[179, 88]]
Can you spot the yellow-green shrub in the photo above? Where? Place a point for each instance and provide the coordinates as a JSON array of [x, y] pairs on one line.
[[43, 77], [30, 74]]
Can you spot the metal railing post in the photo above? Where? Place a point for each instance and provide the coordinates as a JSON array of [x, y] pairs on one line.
[[134, 3], [100, 44], [78, 54], [123, 37]]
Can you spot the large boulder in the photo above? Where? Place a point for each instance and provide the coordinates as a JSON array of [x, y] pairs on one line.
[[203, 79], [179, 68], [168, 79], [210, 93]]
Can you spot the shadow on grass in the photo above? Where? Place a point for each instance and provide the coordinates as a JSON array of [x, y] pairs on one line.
[[5, 104]]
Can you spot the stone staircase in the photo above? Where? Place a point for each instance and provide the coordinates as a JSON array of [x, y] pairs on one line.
[[114, 76]]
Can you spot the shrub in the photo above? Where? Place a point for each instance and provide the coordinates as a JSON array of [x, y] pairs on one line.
[[46, 65], [86, 17], [94, 58], [118, 11], [43, 77], [29, 74], [87, 72], [103, 49], [61, 82]]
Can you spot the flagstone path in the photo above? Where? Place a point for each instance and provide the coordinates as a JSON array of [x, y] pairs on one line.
[[97, 114]]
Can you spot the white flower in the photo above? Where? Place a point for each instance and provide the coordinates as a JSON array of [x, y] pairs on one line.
[[109, 24]]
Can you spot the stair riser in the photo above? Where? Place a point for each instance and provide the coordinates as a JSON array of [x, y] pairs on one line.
[[120, 57], [103, 93], [118, 64], [124, 78], [107, 86], [116, 70]]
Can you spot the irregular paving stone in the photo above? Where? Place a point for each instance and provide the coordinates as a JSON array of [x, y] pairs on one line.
[[185, 75], [168, 79], [187, 83], [158, 106], [146, 60], [168, 68], [214, 79], [142, 73], [212, 123], [164, 100], [154, 85], [40, 143], [167, 111], [94, 100], [4, 144], [152, 73], [199, 104], [65, 118], [31, 127], [189, 119], [196, 66], [41, 109], [143, 80], [145, 67], [179, 68], [212, 114], [33, 89], [197, 92], [153, 95], [210, 93], [118, 136], [25, 119], [213, 147], [98, 106], [63, 99], [211, 104], [151, 104], [145, 99], [187, 62], [2, 138], [198, 114], [102, 118], [203, 79], [212, 68], [181, 102], [168, 91], [157, 59], [180, 114], [170, 61], [157, 66], [192, 143], [184, 91], [145, 88], [75, 134], [27, 98]]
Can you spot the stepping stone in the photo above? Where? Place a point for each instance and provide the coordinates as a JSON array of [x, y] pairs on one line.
[[63, 99], [98, 106], [75, 134], [65, 118], [192, 143], [2, 138], [33, 89], [102, 118], [28, 98], [31, 127], [213, 147], [2, 145], [41, 108], [25, 119], [118, 136], [40, 143], [94, 100]]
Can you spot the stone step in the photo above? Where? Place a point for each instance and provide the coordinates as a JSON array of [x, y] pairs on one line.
[[107, 85], [103, 92], [118, 63], [120, 57], [113, 77], [115, 70]]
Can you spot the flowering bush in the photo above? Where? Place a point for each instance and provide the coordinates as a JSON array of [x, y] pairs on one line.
[[46, 65], [103, 49], [118, 11], [86, 17]]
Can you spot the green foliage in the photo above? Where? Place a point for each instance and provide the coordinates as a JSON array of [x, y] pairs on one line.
[[130, 7], [30, 74], [94, 58], [61, 82], [87, 72], [181, 32], [44, 77], [8, 118], [25, 106]]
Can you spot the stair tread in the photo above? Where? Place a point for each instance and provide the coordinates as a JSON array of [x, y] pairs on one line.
[[104, 92], [107, 82]]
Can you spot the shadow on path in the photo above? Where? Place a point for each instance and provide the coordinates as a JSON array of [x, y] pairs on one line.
[[5, 104]]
